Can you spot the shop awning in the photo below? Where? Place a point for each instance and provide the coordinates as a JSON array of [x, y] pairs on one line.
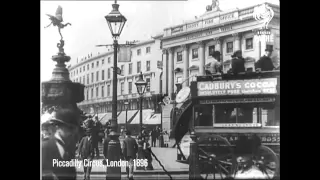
[[105, 117], [153, 119], [122, 116], [146, 113]]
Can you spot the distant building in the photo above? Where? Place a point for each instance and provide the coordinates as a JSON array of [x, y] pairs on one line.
[[96, 74]]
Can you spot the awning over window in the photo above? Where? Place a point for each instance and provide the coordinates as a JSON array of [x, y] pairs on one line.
[[122, 116], [105, 117], [194, 67], [146, 113], [153, 119]]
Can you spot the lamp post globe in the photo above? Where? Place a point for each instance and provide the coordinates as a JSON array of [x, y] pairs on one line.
[[116, 22], [141, 86]]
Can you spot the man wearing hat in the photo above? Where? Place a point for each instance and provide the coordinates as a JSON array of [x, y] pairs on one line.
[[61, 146], [86, 152], [129, 151], [95, 134], [265, 62], [237, 62]]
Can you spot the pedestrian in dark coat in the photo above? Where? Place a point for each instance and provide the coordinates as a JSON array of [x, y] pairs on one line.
[[141, 154], [265, 62], [61, 146], [153, 137], [147, 153], [237, 62], [129, 150], [95, 136], [158, 130], [86, 152]]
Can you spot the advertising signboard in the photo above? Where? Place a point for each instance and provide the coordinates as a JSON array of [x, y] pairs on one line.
[[237, 87]]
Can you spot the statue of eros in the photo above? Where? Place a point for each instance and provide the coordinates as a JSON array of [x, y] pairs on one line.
[[57, 20]]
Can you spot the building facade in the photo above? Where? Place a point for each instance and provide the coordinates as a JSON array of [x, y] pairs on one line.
[[96, 74], [188, 47]]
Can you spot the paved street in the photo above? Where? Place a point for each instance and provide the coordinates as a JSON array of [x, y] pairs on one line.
[[167, 157], [138, 177]]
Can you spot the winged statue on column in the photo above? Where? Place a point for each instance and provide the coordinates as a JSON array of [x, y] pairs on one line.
[[57, 20]]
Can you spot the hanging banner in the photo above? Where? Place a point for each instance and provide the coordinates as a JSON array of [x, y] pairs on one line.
[[124, 54], [238, 87]]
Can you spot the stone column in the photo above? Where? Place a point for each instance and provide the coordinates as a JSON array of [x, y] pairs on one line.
[[201, 58], [263, 45], [237, 41], [186, 65], [170, 74], [218, 46], [164, 71]]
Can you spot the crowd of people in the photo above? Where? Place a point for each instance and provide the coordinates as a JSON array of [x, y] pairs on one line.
[[67, 136], [159, 137], [238, 63]]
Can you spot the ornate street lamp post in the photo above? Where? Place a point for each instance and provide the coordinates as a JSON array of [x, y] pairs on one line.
[[116, 22], [141, 87], [126, 104]]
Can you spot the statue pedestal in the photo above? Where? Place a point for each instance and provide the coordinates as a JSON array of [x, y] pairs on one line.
[[60, 90]]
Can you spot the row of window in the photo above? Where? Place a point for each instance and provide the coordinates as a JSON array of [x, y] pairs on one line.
[[109, 73], [211, 49], [75, 72], [209, 115], [148, 50], [83, 68], [108, 90]]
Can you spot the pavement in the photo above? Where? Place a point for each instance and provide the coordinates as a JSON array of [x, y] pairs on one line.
[[167, 156]]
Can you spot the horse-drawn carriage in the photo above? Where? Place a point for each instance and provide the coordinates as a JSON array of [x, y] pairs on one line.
[[232, 123]]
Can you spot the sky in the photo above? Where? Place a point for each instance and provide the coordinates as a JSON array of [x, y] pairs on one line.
[[89, 27]]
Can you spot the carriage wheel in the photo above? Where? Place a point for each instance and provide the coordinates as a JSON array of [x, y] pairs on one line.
[[268, 162], [216, 158]]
